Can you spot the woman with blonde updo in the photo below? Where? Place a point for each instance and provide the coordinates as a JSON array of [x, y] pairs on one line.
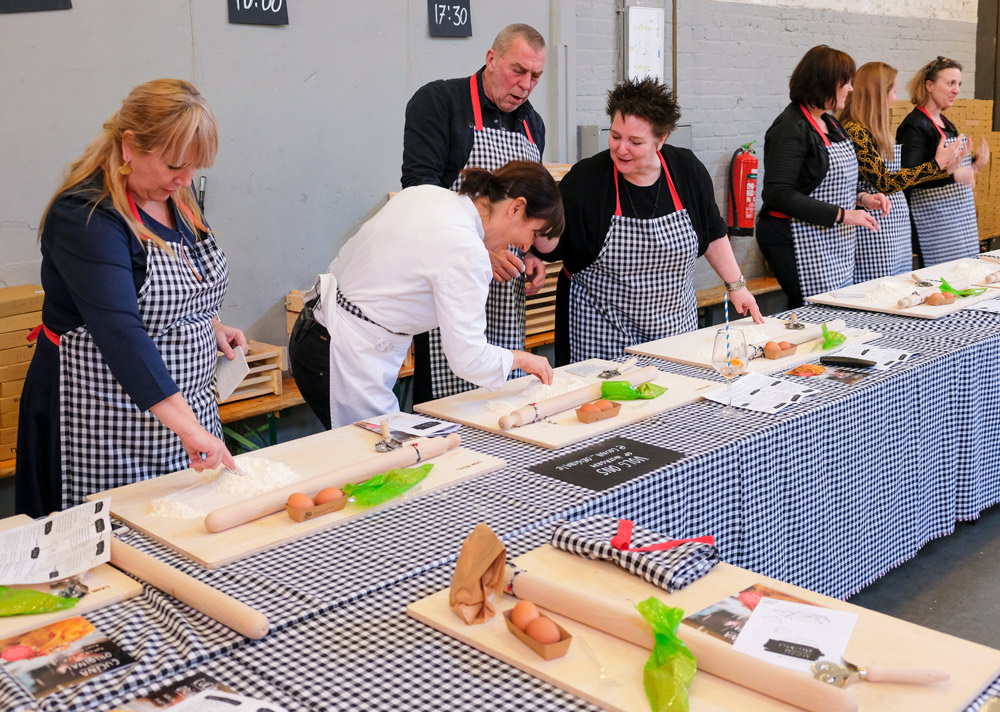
[[866, 116], [120, 386]]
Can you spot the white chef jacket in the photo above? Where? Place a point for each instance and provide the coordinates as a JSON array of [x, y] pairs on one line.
[[420, 263]]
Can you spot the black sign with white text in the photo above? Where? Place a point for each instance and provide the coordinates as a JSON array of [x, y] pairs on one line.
[[34, 5], [258, 12], [607, 464], [449, 19]]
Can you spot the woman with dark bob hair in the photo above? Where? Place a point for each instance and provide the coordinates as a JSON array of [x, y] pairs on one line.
[[638, 216], [422, 262], [807, 225], [944, 211]]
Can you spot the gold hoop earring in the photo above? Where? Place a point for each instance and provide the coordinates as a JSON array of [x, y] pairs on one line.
[[125, 168]]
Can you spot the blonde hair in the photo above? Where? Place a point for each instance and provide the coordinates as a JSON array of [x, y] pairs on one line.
[[866, 104], [165, 116], [917, 86]]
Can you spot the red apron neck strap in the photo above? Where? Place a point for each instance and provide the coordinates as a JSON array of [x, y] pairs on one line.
[[477, 111], [527, 131], [933, 122], [623, 540], [678, 206], [132, 207], [618, 197], [811, 119]]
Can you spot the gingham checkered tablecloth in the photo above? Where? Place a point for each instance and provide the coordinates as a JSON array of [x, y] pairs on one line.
[[828, 495], [369, 655]]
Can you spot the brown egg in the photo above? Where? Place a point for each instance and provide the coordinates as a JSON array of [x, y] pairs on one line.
[[590, 408], [784, 345], [543, 630], [604, 404], [524, 612], [328, 494], [936, 299], [772, 346], [300, 501]]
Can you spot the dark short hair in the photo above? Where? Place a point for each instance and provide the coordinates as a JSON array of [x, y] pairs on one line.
[[645, 99], [520, 179], [818, 76]]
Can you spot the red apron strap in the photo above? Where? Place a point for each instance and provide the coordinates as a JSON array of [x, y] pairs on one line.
[[527, 131], [52, 336], [933, 122], [477, 112], [670, 181], [623, 540], [135, 214], [132, 207], [815, 125], [618, 197]]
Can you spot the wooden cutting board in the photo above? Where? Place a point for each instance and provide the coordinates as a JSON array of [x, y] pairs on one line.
[[107, 585], [308, 457], [852, 297], [564, 429], [695, 347], [877, 639]]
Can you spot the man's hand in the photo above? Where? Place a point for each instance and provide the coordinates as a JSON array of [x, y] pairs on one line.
[[506, 265]]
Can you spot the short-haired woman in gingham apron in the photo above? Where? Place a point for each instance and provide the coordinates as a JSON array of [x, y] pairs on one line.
[[638, 216], [944, 212], [866, 117], [807, 225], [120, 386]]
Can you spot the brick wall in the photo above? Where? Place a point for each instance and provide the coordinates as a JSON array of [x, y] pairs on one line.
[[733, 64]]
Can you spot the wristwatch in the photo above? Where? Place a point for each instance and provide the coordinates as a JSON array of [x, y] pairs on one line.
[[738, 284]]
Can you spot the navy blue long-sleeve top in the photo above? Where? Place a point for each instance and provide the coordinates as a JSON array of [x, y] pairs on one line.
[[92, 270]]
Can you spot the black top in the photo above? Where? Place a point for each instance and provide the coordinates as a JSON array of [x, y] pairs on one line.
[[588, 193], [439, 129], [920, 138], [796, 161], [92, 270]]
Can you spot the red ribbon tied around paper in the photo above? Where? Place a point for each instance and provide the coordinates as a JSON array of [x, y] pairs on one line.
[[623, 540]]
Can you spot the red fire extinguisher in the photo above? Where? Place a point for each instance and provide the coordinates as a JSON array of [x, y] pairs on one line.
[[742, 191]]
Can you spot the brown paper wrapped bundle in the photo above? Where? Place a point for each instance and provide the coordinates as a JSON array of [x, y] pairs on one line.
[[478, 577]]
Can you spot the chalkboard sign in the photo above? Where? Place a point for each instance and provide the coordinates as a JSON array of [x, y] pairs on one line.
[[34, 5], [449, 19], [258, 12], [608, 463]]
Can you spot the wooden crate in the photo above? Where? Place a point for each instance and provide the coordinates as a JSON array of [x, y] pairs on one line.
[[266, 364], [541, 308], [20, 300]]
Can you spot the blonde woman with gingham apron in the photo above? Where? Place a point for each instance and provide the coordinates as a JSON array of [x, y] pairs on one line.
[[106, 440], [944, 217], [505, 307], [640, 287], [825, 255], [890, 250]]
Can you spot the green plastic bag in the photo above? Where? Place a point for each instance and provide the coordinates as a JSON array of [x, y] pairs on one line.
[[832, 338], [671, 666], [382, 488], [623, 390], [971, 292], [16, 602]]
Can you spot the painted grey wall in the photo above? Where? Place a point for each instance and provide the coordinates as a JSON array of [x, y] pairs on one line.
[[733, 64], [310, 119]]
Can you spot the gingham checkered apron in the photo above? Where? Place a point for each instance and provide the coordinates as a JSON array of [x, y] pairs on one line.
[[505, 310], [640, 287], [888, 251], [825, 255], [945, 218], [105, 440]]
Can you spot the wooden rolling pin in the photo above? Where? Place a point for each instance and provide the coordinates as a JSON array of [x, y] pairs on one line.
[[270, 502], [571, 399], [714, 656], [810, 333], [213, 603]]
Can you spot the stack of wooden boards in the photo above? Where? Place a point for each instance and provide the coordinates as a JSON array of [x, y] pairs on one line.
[[266, 363], [20, 312]]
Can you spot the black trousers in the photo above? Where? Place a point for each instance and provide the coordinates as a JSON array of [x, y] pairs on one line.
[[38, 471], [776, 243], [309, 357]]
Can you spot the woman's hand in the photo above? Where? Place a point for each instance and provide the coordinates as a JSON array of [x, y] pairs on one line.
[[534, 274], [965, 175], [743, 301], [982, 155], [228, 338], [948, 156], [199, 441], [535, 365], [506, 265], [875, 201], [862, 218]]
